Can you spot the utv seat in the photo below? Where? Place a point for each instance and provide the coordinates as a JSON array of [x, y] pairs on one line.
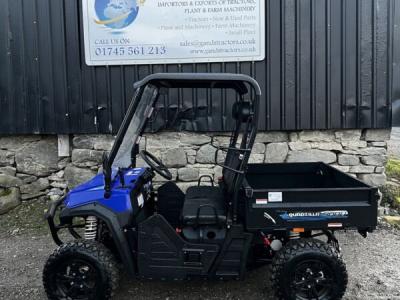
[[204, 211], [196, 192]]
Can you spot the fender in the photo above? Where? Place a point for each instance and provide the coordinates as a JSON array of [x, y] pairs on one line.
[[115, 222]]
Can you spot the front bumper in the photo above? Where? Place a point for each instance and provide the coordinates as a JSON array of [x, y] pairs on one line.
[[49, 216]]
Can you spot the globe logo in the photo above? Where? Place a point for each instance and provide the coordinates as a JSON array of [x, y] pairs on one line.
[[116, 14]]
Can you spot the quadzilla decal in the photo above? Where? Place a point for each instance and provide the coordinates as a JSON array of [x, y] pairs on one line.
[[314, 215]]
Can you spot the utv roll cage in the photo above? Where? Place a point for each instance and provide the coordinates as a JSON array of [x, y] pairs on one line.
[[242, 84]]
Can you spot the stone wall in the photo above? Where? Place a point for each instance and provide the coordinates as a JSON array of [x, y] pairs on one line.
[[30, 166]]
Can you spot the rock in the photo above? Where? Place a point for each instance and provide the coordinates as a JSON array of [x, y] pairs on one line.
[[293, 137], [354, 145], [272, 137], [54, 177], [163, 140], [348, 160], [6, 158], [140, 163], [26, 178], [86, 158], [104, 142], [9, 199], [362, 169], [75, 176], [327, 146], [217, 172], [57, 184], [174, 158], [25, 197], [84, 141], [8, 171], [348, 135], [373, 179], [222, 140], [38, 158], [276, 152], [194, 139], [344, 169], [392, 220], [206, 155], [63, 162], [258, 148], [15, 143], [256, 158], [377, 135], [313, 155], [378, 144], [297, 146], [159, 178], [190, 152], [35, 187], [372, 151], [55, 191], [316, 136], [188, 174], [379, 169], [374, 160], [191, 159], [7, 181]]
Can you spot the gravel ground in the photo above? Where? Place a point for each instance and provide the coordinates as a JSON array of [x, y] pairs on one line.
[[373, 266]]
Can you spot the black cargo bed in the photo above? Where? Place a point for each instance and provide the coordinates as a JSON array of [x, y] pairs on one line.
[[306, 195]]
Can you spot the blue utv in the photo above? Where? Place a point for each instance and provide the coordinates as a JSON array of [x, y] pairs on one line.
[[282, 214]]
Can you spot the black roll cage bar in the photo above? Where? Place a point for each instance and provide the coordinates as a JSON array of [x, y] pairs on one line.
[[237, 82]]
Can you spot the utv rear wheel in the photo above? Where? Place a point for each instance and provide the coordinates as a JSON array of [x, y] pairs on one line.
[[80, 270], [308, 269]]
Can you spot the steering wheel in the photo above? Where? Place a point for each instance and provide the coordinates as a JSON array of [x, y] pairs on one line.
[[155, 164]]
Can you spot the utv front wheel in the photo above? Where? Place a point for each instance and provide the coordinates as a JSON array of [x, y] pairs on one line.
[[308, 269], [80, 270]]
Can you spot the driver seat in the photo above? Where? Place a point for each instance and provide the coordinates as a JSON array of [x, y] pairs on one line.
[[206, 205]]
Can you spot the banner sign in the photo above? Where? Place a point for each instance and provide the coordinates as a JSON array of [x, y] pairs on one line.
[[119, 32]]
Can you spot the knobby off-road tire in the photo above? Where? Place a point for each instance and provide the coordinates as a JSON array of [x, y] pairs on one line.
[[293, 260], [73, 263]]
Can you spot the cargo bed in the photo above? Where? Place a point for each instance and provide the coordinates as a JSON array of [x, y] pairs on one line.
[[306, 195]]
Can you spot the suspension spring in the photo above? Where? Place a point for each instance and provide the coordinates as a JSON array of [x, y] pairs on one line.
[[91, 228]]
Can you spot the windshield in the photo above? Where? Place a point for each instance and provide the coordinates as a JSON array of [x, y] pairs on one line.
[[135, 127]]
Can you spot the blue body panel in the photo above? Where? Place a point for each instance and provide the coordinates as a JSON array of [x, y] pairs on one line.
[[93, 191]]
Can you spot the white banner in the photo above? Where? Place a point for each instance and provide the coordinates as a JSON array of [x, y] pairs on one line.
[[119, 32]]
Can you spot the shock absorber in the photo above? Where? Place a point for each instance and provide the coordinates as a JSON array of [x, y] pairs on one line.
[[90, 228]]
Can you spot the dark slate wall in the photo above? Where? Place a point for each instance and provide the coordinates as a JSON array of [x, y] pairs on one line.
[[329, 64]]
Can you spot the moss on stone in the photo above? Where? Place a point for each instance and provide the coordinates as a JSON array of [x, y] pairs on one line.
[[393, 168], [5, 192]]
